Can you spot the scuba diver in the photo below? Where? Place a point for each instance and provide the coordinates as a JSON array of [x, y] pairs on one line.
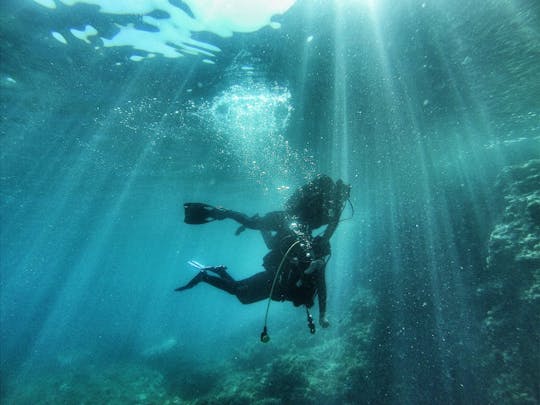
[[295, 265]]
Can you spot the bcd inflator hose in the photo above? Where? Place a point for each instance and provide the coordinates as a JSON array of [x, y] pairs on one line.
[[265, 338]]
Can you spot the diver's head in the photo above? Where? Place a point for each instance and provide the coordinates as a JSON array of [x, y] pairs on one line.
[[335, 199], [319, 202], [342, 192]]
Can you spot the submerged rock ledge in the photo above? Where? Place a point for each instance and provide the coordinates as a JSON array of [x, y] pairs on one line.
[[511, 291]]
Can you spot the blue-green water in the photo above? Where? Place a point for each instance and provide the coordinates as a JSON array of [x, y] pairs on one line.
[[429, 109]]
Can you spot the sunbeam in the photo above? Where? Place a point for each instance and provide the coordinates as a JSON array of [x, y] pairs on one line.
[[171, 168]]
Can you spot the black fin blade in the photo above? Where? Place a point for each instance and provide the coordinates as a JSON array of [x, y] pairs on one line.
[[198, 213]]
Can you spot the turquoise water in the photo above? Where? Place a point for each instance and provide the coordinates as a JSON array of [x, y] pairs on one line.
[[429, 109]]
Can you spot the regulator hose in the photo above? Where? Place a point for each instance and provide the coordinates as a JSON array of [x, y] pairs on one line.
[[265, 338]]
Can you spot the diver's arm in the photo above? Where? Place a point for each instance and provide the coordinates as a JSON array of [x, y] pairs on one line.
[[333, 223], [321, 295], [330, 229]]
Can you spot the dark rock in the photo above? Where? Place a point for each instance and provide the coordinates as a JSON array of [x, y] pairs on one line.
[[511, 292]]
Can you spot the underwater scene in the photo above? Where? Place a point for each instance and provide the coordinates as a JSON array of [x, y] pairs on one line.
[[396, 144]]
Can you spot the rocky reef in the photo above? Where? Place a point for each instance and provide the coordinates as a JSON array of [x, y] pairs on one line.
[[310, 371], [110, 384], [314, 369], [510, 292]]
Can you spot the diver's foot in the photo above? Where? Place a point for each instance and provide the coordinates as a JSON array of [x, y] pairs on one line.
[[194, 281], [219, 270]]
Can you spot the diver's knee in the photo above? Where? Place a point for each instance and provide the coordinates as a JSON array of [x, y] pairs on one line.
[[243, 298]]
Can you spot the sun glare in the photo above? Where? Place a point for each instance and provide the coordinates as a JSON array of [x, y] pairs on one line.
[[371, 4]]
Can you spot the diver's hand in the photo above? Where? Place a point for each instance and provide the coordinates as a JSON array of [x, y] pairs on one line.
[[314, 266], [323, 321]]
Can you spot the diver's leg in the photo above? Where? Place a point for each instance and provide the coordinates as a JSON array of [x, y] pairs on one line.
[[254, 288], [222, 272], [194, 281], [253, 222], [228, 284], [249, 290]]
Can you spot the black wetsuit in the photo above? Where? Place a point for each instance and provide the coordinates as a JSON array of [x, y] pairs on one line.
[[281, 233]]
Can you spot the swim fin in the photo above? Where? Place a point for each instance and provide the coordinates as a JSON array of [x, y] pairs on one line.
[[198, 213]]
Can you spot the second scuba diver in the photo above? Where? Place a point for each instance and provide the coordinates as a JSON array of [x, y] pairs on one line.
[[295, 266]]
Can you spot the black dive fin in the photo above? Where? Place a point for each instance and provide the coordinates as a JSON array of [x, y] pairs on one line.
[[198, 213]]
